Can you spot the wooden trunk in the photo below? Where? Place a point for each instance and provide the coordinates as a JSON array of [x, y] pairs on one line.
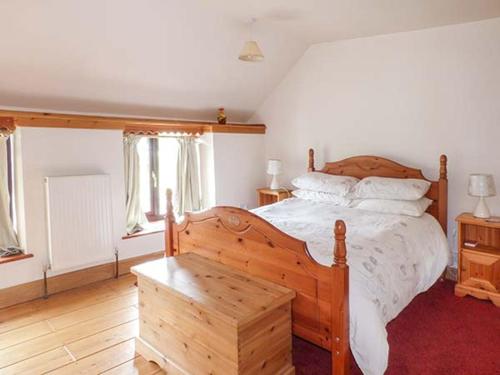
[[200, 317]]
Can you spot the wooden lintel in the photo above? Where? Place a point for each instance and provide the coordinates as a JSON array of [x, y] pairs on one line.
[[130, 124]]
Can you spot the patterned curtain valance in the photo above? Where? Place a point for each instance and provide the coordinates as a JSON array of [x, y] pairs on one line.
[[7, 126]]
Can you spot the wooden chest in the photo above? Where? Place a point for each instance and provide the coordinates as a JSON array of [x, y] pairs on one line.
[[198, 316]]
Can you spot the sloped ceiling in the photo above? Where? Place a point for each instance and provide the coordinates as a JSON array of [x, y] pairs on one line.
[[178, 58]]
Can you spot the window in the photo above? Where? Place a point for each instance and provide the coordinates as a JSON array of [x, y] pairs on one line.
[[158, 171]]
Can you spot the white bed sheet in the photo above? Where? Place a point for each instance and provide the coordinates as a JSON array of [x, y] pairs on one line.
[[391, 259]]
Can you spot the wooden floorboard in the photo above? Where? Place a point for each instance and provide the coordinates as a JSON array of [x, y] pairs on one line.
[[19, 335], [136, 366], [31, 312], [40, 364], [89, 330], [101, 361]]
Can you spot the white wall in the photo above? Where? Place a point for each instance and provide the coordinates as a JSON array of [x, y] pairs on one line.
[[59, 152], [239, 166], [232, 167], [409, 97]]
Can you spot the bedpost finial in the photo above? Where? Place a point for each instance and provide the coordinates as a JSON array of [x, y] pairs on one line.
[[340, 250], [310, 167], [443, 168]]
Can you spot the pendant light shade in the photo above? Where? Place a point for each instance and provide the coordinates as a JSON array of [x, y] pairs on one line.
[[251, 52]]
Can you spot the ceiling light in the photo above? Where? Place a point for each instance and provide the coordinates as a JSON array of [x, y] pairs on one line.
[[251, 51]]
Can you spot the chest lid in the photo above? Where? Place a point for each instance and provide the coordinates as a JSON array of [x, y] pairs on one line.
[[232, 295]]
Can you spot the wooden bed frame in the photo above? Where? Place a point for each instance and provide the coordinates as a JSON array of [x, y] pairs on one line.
[[241, 239]]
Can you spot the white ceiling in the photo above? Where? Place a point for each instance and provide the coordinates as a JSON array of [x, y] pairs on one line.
[[178, 58]]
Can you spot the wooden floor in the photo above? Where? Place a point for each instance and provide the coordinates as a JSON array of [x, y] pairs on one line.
[[89, 330]]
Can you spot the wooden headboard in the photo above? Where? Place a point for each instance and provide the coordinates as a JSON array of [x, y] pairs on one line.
[[365, 166]]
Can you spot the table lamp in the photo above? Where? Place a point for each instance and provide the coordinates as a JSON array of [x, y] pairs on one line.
[[481, 185], [274, 168]]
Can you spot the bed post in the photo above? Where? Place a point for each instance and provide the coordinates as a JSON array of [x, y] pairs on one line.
[[169, 225], [341, 355], [443, 193], [310, 167]]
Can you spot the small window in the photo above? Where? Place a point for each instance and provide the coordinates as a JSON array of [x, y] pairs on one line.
[[158, 171]]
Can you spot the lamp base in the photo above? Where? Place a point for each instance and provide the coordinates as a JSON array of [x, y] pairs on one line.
[[274, 183], [482, 210]]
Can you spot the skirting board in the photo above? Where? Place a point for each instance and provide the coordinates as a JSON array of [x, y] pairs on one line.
[[33, 290]]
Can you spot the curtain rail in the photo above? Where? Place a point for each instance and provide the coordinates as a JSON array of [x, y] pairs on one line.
[[197, 135]]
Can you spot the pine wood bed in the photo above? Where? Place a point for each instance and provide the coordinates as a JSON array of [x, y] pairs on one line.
[[242, 240]]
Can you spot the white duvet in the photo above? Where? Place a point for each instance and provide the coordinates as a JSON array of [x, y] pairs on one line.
[[391, 259]]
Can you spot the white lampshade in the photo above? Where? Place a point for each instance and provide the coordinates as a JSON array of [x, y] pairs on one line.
[[274, 166], [251, 52], [481, 185]]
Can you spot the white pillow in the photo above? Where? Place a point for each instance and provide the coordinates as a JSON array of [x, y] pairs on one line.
[[321, 196], [408, 189], [333, 184], [389, 206]]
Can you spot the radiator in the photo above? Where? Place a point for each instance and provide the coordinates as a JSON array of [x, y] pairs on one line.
[[79, 221]]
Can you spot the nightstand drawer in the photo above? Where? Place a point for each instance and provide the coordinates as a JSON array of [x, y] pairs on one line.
[[480, 270]]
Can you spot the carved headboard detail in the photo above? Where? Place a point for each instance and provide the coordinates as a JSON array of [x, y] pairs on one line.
[[365, 166]]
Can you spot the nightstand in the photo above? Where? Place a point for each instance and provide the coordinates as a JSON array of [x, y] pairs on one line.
[[269, 196], [478, 257]]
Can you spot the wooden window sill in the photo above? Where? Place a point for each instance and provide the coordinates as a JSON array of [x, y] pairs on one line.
[[150, 228], [15, 257]]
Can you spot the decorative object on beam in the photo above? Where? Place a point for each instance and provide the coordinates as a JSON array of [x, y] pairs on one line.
[[221, 116], [251, 51], [7, 126]]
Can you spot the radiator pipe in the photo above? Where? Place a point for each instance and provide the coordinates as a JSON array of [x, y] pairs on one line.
[[45, 283], [117, 265]]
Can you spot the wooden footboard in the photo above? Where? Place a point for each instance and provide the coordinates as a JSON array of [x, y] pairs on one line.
[[242, 240]]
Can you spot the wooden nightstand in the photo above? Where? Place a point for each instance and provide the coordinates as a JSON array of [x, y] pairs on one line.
[[269, 196], [479, 266]]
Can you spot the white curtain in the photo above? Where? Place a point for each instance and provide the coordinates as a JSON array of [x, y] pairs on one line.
[[188, 197], [135, 218], [7, 234]]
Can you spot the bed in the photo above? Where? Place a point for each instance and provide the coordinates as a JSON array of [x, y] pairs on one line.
[[297, 251]]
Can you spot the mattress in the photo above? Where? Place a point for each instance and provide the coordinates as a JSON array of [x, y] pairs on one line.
[[391, 258]]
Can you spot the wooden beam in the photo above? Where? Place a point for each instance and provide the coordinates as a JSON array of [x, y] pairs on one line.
[[127, 124]]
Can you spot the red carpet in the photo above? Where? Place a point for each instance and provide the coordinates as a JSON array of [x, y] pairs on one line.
[[437, 334]]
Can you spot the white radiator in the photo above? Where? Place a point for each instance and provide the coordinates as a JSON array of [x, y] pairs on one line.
[[79, 221]]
